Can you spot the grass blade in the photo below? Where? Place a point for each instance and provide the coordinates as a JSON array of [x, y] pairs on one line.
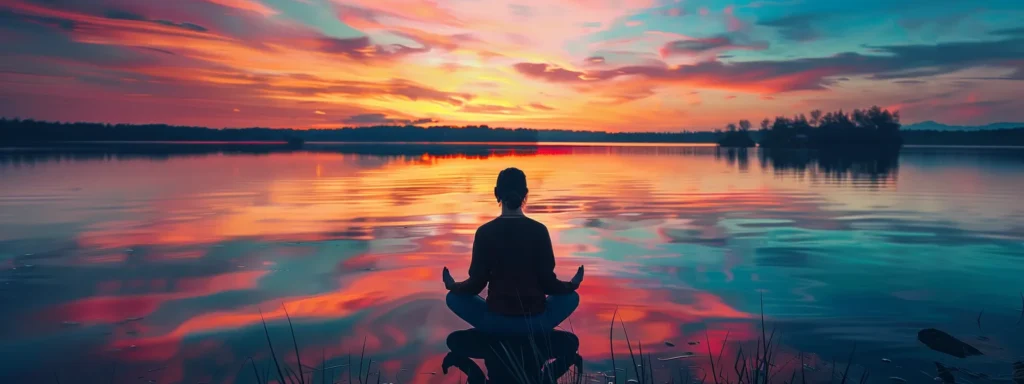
[[361, 355], [848, 364], [295, 343], [277, 364], [711, 356], [611, 345], [979, 319], [643, 365], [630, 345], [255, 371]]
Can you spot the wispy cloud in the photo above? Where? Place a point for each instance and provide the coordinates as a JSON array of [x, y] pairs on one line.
[[545, 63], [818, 73], [708, 45], [382, 119]]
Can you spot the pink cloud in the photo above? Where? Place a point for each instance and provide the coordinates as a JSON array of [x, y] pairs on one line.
[[549, 73], [710, 45], [381, 119], [732, 22], [419, 57]]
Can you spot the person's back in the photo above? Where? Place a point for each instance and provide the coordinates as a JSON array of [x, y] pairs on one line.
[[517, 256], [514, 257]]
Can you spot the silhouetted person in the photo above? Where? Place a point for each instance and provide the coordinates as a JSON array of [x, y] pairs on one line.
[[513, 256], [513, 358]]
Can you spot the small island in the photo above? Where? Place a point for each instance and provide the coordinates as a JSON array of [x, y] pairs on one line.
[[734, 137], [874, 128]]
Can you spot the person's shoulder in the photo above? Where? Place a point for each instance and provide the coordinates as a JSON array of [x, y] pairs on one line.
[[488, 226], [536, 224], [497, 223]]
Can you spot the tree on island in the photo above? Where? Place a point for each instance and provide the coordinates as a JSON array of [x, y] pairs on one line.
[[873, 128], [734, 137]]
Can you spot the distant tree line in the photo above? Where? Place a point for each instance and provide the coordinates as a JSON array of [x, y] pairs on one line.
[[871, 128], [29, 131], [564, 136], [874, 128]]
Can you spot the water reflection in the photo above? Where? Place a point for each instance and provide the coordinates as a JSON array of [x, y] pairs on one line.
[[511, 358], [873, 166], [167, 269]]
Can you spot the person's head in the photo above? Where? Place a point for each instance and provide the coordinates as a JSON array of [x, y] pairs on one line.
[[511, 188]]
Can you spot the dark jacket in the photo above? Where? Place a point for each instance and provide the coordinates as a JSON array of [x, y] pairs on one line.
[[513, 256]]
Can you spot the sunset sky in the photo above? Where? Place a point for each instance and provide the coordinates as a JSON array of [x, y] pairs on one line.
[[618, 65]]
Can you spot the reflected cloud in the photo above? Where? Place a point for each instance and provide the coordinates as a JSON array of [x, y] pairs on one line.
[[109, 256]]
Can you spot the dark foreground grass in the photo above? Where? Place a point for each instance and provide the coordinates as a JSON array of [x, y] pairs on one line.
[[752, 364], [759, 365]]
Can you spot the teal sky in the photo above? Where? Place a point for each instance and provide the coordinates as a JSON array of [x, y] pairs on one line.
[[617, 65]]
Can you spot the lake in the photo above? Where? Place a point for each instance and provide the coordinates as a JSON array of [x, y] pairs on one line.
[[159, 263]]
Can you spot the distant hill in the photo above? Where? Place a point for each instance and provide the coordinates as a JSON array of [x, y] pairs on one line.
[[935, 126]]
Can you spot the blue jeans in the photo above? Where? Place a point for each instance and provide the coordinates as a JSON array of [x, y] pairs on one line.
[[473, 309]]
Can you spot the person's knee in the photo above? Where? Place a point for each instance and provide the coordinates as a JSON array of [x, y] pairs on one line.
[[568, 300], [451, 299]]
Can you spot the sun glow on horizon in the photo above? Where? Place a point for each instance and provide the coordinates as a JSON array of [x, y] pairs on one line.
[[616, 65]]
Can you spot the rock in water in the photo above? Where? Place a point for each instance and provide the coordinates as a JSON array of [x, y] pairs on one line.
[[944, 374], [945, 343]]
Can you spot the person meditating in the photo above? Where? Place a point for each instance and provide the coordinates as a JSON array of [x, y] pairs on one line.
[[513, 256]]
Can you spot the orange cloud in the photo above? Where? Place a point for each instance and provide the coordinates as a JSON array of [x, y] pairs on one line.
[[421, 59]]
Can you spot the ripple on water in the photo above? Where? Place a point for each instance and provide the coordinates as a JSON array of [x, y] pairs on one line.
[[679, 241]]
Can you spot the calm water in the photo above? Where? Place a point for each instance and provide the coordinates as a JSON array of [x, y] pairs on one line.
[[156, 263]]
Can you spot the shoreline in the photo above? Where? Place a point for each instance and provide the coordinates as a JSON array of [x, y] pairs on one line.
[[283, 144]]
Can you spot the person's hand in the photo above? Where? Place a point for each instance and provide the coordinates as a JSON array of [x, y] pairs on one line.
[[578, 279], [455, 360], [447, 278]]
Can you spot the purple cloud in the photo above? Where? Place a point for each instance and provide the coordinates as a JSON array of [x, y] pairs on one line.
[[548, 72], [380, 118], [711, 44], [885, 62]]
